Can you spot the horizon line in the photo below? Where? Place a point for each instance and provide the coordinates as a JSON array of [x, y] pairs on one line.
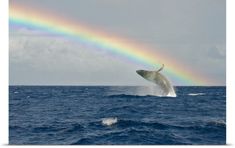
[[112, 85]]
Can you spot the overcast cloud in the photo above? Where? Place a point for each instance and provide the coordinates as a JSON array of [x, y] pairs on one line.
[[190, 31]]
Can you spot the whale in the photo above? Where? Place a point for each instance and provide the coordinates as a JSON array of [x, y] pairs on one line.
[[159, 79]]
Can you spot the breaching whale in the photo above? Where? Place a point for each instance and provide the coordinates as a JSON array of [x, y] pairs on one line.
[[159, 79]]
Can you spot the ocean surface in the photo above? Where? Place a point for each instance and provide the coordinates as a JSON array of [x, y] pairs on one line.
[[119, 115]]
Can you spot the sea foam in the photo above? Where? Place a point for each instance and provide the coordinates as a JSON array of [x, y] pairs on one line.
[[109, 121], [196, 94]]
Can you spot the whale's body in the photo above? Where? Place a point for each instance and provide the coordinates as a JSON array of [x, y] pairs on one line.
[[159, 79]]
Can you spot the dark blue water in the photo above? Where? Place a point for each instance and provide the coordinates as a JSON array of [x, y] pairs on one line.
[[73, 115]]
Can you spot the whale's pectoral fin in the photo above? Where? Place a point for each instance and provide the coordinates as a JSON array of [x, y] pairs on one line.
[[160, 68]]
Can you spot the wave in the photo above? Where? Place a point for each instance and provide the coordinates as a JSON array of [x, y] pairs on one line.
[[126, 123], [137, 96], [15, 127], [135, 123], [109, 121], [46, 129], [127, 96], [83, 141], [124, 129], [218, 123], [74, 128], [162, 126], [204, 126], [196, 94]]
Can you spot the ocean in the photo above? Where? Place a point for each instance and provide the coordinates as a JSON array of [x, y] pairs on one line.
[[116, 115]]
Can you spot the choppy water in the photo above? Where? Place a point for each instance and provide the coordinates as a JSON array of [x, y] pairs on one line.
[[78, 115]]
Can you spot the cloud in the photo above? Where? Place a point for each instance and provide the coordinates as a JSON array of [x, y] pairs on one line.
[[55, 60], [191, 32], [216, 53]]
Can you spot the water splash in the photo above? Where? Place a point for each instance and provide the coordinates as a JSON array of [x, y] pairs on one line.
[[154, 90], [109, 121], [151, 90]]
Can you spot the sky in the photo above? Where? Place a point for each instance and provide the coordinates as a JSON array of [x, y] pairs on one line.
[[193, 32]]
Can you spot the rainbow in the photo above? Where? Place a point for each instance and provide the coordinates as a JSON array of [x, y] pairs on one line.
[[136, 53]]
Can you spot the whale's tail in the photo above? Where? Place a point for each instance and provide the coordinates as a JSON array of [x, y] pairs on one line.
[[160, 68]]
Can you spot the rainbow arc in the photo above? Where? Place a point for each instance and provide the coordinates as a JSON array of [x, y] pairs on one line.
[[26, 17]]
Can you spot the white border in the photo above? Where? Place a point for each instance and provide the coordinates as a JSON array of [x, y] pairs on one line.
[[4, 71], [230, 74], [4, 74]]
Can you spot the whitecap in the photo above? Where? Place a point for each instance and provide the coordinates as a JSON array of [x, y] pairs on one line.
[[196, 94], [109, 121], [218, 122]]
